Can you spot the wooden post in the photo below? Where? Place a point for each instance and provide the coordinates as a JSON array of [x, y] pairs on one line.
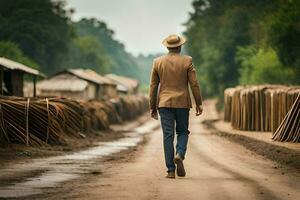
[[27, 121], [1, 81], [34, 86]]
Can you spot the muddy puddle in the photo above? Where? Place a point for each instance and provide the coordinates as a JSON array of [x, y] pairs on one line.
[[59, 169]]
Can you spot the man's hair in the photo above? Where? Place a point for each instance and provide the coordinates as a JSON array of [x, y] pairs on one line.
[[175, 49]]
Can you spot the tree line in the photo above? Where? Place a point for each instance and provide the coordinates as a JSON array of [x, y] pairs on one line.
[[41, 34], [244, 42]]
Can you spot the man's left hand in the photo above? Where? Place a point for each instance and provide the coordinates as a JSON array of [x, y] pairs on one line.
[[154, 114], [199, 110]]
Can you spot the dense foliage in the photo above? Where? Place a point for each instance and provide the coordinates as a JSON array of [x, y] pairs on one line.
[[244, 42], [118, 60], [87, 52], [39, 27], [42, 33], [12, 51]]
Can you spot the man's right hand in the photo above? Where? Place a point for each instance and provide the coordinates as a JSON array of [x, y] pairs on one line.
[[199, 110], [154, 114]]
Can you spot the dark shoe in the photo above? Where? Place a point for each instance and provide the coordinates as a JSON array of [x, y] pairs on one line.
[[180, 167], [171, 175]]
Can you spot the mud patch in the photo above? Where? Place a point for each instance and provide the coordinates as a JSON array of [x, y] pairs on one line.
[[64, 168], [282, 155]]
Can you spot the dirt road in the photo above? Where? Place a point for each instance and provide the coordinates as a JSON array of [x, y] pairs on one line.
[[216, 169]]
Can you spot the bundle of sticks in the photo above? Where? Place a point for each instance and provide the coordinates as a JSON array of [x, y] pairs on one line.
[[289, 129], [133, 106], [44, 121], [98, 115], [258, 108], [38, 122]]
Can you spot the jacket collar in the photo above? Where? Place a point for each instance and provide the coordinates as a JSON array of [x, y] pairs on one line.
[[173, 53]]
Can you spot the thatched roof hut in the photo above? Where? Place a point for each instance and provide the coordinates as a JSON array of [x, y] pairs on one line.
[[125, 85], [78, 83], [12, 77]]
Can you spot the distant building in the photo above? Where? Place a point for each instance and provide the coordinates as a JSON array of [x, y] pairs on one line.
[[82, 84], [12, 77], [125, 85]]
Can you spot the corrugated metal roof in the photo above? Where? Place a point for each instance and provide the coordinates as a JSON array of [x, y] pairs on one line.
[[63, 82], [90, 75], [12, 65]]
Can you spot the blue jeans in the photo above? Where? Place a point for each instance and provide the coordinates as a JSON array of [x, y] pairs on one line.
[[168, 117]]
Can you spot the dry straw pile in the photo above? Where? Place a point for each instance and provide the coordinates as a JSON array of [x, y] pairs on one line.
[[263, 108], [36, 121]]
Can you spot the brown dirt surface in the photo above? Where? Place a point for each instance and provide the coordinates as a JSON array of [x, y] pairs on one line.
[[216, 169], [286, 156], [12, 153]]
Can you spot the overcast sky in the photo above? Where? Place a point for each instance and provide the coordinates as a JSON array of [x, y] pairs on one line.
[[139, 24]]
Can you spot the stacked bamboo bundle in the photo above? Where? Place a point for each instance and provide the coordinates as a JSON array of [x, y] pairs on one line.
[[281, 101], [228, 94], [289, 129], [37, 122], [258, 108]]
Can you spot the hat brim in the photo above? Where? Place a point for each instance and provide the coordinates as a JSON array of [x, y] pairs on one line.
[[181, 42]]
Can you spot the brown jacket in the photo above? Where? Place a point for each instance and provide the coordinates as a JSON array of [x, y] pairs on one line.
[[170, 76]]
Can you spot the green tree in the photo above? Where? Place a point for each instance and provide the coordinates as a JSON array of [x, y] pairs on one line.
[[231, 39], [87, 52], [214, 30], [260, 66], [12, 51], [284, 35], [122, 62], [40, 28]]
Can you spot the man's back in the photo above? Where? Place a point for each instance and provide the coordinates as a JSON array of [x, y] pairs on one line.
[[173, 71]]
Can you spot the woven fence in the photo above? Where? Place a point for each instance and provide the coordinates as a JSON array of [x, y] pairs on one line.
[[259, 108], [42, 121]]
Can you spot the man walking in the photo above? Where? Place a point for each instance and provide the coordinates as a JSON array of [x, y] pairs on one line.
[[169, 95]]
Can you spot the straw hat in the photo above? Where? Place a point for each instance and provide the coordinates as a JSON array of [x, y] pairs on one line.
[[173, 41]]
